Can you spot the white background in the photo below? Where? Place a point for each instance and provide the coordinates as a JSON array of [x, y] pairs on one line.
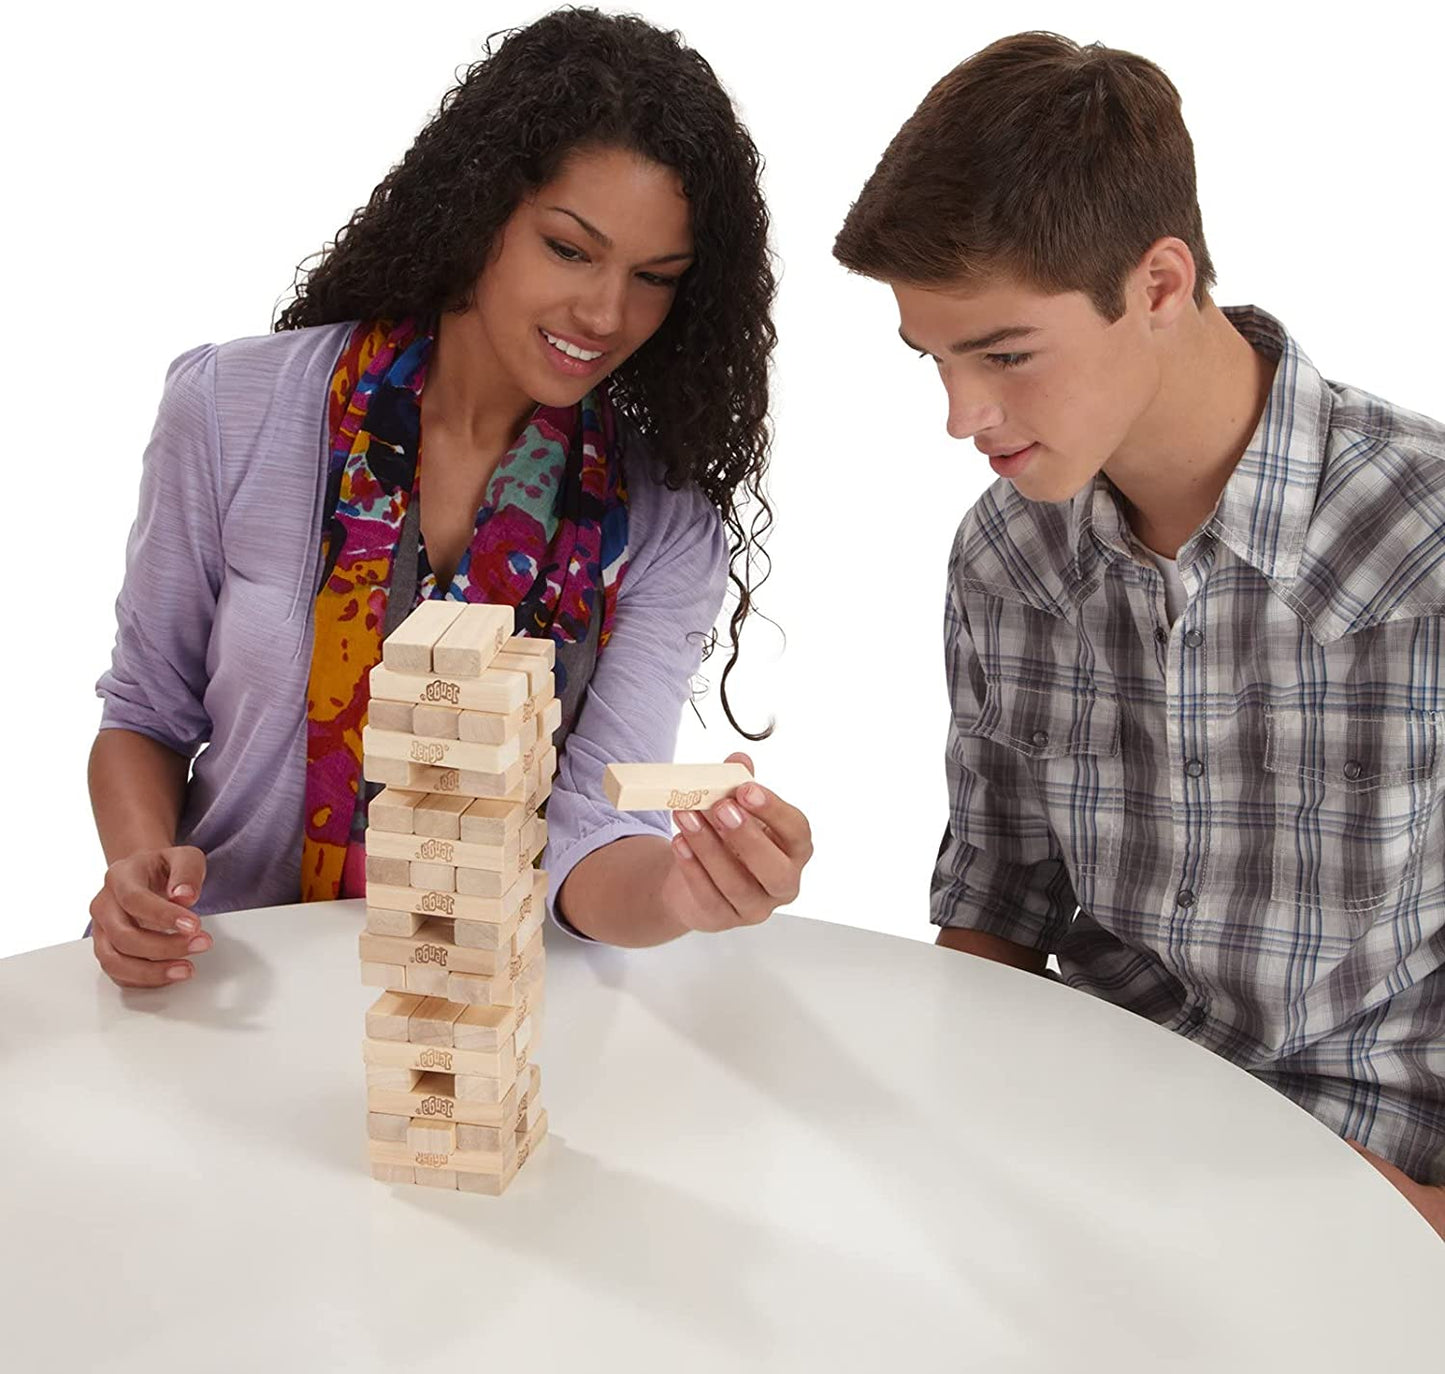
[[168, 166]]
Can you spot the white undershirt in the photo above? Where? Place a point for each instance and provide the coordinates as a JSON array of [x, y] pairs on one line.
[[1175, 597]]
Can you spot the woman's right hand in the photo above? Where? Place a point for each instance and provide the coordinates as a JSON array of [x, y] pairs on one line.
[[142, 930]]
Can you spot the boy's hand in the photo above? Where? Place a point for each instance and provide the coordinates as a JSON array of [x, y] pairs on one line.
[[737, 862], [1427, 1199], [142, 931]]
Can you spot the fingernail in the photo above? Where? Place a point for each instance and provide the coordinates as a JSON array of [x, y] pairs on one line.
[[201, 942], [688, 821], [178, 971], [730, 815], [753, 796], [681, 845], [184, 892], [187, 925]]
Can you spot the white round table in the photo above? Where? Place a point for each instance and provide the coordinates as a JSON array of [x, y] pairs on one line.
[[798, 1147]]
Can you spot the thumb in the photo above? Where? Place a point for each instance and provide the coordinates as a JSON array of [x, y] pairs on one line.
[[185, 872], [744, 760]]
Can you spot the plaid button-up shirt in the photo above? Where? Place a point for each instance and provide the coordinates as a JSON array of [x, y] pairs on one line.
[[1231, 825]]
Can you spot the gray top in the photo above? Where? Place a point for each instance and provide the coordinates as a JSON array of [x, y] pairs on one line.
[[214, 620]]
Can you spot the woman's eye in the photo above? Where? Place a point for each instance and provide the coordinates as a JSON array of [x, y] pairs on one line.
[[657, 279], [564, 251]]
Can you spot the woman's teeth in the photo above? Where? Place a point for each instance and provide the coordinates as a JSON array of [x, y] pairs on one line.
[[571, 350]]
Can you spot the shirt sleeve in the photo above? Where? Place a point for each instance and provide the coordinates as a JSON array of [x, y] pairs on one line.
[[156, 683], [670, 597], [1000, 870]]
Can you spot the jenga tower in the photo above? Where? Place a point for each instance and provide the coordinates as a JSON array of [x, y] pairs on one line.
[[460, 730]]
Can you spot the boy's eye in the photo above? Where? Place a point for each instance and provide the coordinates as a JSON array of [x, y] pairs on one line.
[[1006, 360], [922, 354]]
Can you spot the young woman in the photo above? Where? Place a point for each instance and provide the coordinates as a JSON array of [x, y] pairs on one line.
[[531, 370]]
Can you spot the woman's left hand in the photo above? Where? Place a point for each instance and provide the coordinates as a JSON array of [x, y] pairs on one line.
[[739, 861]]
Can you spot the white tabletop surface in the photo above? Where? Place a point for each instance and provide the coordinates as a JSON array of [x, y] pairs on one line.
[[798, 1147]]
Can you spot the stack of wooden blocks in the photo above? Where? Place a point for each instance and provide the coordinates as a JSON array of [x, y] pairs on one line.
[[460, 730]]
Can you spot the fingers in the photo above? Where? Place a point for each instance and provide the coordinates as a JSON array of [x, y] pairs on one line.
[[707, 909], [186, 871], [704, 849], [789, 825], [756, 848], [128, 972]]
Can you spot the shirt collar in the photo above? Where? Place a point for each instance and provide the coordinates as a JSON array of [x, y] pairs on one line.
[[1264, 512]]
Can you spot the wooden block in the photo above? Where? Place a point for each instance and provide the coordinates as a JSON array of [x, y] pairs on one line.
[[531, 922], [390, 976], [437, 1178], [431, 1020], [425, 849], [439, 816], [544, 789], [493, 1065], [452, 904], [391, 1079], [433, 1096], [534, 838], [437, 722], [489, 822], [551, 720], [382, 1126], [671, 786], [476, 637], [485, 882], [486, 1027], [485, 727], [440, 753], [496, 690], [391, 715], [432, 877], [393, 1173], [389, 1017], [408, 648], [379, 921], [431, 1135], [390, 810], [544, 647], [539, 673], [505, 786], [504, 987], [431, 947], [427, 979], [524, 1036], [379, 870], [493, 1185]]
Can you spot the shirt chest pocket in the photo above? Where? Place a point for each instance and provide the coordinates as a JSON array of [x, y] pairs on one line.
[[1068, 741], [1353, 793]]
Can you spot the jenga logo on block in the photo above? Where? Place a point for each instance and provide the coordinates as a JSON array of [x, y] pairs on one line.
[[685, 801], [527, 710], [439, 850], [439, 690], [429, 1160], [441, 1060], [526, 906], [523, 1150], [521, 1060], [427, 751], [502, 637], [435, 1106], [430, 954], [444, 902], [514, 968], [447, 781], [522, 1005]]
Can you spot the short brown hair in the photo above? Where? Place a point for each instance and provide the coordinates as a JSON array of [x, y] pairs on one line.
[[1037, 159]]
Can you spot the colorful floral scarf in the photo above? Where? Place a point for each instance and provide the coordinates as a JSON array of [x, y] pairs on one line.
[[551, 533]]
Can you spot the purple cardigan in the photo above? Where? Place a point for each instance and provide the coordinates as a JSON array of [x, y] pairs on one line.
[[214, 620]]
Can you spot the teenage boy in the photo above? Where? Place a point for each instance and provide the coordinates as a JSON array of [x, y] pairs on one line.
[[1195, 636]]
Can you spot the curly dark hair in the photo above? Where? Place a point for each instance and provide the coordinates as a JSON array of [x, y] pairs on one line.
[[579, 78]]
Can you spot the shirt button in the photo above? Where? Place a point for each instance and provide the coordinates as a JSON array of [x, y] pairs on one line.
[[1040, 738], [1193, 638], [1353, 769], [1185, 898], [1194, 768], [1161, 635]]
